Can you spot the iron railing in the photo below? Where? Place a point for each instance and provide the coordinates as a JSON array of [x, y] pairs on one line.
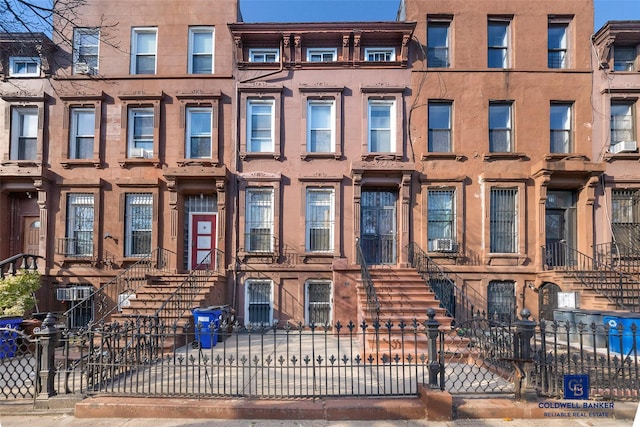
[[182, 299], [110, 297], [462, 303], [619, 288], [74, 248], [373, 305], [11, 266], [618, 256]]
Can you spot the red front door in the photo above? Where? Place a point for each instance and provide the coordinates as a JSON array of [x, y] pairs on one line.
[[203, 240]]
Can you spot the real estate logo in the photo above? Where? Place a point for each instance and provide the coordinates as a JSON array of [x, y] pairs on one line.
[[576, 387]]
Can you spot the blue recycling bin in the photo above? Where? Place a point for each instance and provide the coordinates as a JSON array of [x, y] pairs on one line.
[[207, 322], [9, 337], [623, 342]]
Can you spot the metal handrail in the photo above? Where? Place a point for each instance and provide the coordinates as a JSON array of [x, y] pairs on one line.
[[465, 303], [618, 287], [183, 298], [108, 297], [373, 305], [618, 256], [12, 265]]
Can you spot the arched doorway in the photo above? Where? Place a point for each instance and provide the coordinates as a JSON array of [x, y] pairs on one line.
[[548, 300]]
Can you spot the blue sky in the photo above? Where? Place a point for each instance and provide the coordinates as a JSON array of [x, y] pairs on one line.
[[385, 10]]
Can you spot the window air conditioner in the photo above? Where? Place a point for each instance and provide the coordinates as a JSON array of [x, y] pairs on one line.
[[623, 147], [443, 245], [64, 294], [140, 153], [82, 68], [76, 293]]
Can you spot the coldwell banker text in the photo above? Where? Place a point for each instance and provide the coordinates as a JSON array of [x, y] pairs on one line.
[[577, 409]]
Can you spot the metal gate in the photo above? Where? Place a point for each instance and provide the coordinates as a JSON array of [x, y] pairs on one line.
[[378, 227], [18, 370]]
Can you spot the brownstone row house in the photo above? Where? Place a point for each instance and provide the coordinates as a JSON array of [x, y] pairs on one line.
[[493, 139]]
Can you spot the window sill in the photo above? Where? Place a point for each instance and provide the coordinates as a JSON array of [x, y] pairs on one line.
[[381, 156], [318, 257], [444, 156], [555, 157], [197, 162], [312, 155], [506, 259], [22, 163], [609, 157], [249, 155], [257, 257], [72, 163], [488, 157], [127, 163]]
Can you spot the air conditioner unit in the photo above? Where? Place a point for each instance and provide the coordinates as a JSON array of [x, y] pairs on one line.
[[623, 147], [137, 153], [64, 294], [443, 245], [82, 68], [83, 292], [76, 293]]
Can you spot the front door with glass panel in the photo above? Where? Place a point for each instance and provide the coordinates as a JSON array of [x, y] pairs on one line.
[[560, 227], [378, 226], [203, 233]]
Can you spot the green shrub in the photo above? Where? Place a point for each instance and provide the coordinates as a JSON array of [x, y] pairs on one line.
[[17, 293]]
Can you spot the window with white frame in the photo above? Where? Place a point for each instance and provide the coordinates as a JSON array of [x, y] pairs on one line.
[[321, 134], [379, 54], [624, 58], [560, 123], [260, 125], [80, 216], [198, 141], [24, 66], [82, 134], [318, 302], [322, 55], [498, 43], [382, 126], [500, 130], [140, 140], [86, 42], [319, 219], [200, 50], [259, 297], [259, 220], [503, 218], [557, 34], [143, 50], [622, 121], [438, 44], [24, 133], [441, 226], [138, 224], [264, 55], [439, 126]]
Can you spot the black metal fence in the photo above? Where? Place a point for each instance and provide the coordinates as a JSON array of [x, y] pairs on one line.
[[147, 358]]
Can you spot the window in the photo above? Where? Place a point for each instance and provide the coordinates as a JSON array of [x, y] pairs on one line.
[[441, 216], [500, 127], [438, 44], [498, 40], [557, 45], [560, 127], [198, 138], [143, 50], [625, 218], [79, 237], [140, 141], [318, 298], [501, 301], [138, 224], [319, 219], [24, 133], [82, 133], [381, 122], [321, 135], [259, 302], [24, 67], [200, 50], [440, 127], [622, 121], [503, 220], [380, 54], [321, 55], [260, 125], [624, 58], [259, 220], [264, 55], [85, 50]]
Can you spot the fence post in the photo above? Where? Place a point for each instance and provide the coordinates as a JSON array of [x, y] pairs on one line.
[[523, 359], [432, 326], [48, 337]]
